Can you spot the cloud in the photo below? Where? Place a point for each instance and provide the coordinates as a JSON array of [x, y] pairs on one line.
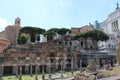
[[3, 22], [62, 3]]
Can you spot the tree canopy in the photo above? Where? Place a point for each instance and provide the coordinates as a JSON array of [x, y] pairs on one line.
[[32, 31], [22, 38], [94, 34], [63, 31], [53, 31]]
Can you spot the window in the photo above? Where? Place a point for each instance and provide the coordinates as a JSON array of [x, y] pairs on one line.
[[114, 25], [109, 45]]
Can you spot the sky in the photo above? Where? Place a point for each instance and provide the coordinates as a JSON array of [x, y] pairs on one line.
[[48, 14]]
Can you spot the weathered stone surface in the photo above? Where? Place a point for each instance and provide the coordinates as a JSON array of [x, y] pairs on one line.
[[80, 76], [91, 67]]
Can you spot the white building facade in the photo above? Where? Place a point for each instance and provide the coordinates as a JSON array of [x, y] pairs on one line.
[[110, 26]]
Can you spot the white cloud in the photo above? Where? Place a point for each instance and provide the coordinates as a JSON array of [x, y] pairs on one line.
[[62, 3], [3, 22]]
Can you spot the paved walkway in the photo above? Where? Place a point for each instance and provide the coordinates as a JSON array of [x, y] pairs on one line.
[[117, 77], [58, 77]]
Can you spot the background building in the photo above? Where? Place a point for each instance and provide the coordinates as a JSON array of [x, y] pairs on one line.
[[111, 27], [75, 31], [11, 32]]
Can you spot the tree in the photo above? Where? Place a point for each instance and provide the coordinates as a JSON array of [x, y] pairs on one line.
[[63, 31], [94, 35], [23, 38], [32, 31], [51, 33]]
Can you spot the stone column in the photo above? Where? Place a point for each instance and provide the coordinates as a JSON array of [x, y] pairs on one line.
[[97, 62], [1, 70], [118, 54], [80, 66], [20, 77], [57, 63], [64, 62], [75, 61], [36, 70], [38, 64], [31, 69], [72, 65], [17, 70], [27, 68], [43, 75], [61, 68], [49, 69]]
